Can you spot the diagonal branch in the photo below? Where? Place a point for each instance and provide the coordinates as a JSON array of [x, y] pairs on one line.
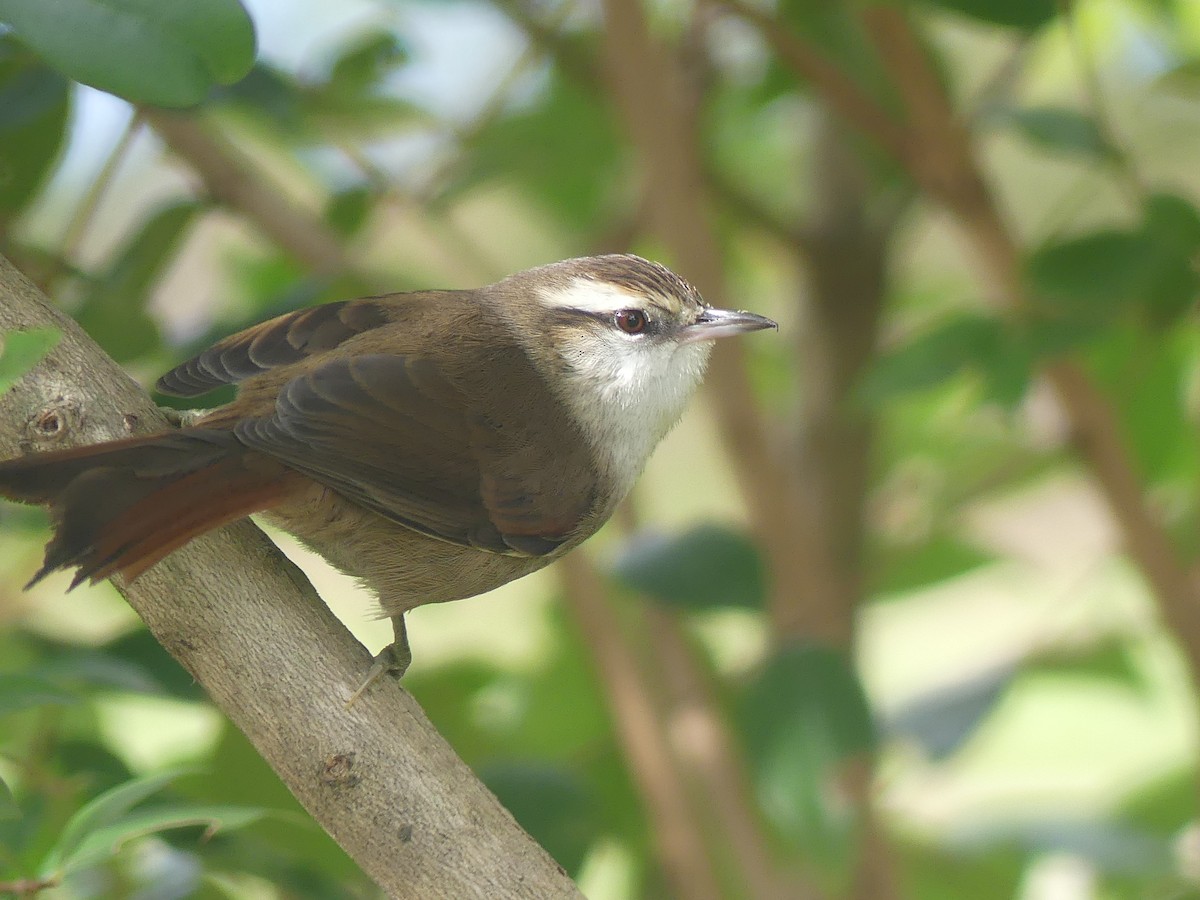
[[249, 627]]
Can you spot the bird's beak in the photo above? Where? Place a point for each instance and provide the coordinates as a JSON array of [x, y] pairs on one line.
[[719, 323]]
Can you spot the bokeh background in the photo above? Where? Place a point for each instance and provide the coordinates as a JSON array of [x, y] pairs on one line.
[[906, 607]]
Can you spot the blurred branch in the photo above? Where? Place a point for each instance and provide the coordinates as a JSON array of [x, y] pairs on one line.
[[86, 210], [682, 851], [847, 285], [254, 633], [648, 89], [843, 95], [233, 180], [703, 743]]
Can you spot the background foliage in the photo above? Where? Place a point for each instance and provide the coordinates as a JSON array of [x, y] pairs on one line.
[[907, 605]]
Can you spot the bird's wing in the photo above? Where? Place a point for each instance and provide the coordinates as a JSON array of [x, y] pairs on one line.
[[449, 457], [277, 342]]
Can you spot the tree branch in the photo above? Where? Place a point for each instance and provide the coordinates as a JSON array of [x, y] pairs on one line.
[[248, 626], [233, 180], [680, 844]]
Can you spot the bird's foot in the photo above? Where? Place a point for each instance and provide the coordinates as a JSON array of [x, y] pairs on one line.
[[391, 660]]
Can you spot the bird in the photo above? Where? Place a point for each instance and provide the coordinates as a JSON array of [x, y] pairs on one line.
[[432, 444]]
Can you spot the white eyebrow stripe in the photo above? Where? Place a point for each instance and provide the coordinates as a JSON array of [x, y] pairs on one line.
[[593, 296]]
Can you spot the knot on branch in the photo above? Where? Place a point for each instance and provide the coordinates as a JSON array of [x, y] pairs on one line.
[[52, 423]]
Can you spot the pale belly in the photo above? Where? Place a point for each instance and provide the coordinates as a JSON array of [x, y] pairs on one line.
[[404, 568]]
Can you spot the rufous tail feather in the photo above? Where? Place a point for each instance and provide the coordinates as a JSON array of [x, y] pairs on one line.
[[121, 507]]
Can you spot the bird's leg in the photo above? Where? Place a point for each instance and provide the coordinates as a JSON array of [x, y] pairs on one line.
[[391, 660], [181, 418]]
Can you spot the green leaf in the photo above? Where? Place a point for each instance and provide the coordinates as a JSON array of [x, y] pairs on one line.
[[34, 106], [1110, 660], [106, 841], [552, 804], [18, 692], [906, 568], [271, 100], [1172, 229], [161, 52], [20, 351], [945, 870], [101, 813], [365, 63], [113, 310], [348, 210], [1152, 267], [708, 567], [1060, 129], [1093, 275], [803, 716], [8, 803], [1000, 355], [563, 152], [1024, 14], [1164, 805]]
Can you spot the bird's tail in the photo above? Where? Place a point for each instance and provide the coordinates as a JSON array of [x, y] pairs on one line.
[[122, 506]]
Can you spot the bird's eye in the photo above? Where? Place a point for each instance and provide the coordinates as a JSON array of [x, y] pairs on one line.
[[632, 321]]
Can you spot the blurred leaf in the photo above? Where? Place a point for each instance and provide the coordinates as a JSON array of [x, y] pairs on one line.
[[552, 804], [941, 872], [1061, 129], [106, 841], [365, 63], [161, 52], [91, 765], [34, 107], [1108, 660], [349, 210], [154, 666], [1148, 377], [966, 342], [563, 152], [113, 310], [8, 803], [708, 567], [19, 692], [101, 813], [943, 719], [803, 716], [133, 662], [1151, 267], [1165, 805], [900, 569], [1093, 275], [1025, 14], [20, 351], [271, 93], [1182, 79], [1172, 228]]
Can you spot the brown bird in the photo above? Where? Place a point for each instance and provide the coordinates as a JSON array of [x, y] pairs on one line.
[[435, 444]]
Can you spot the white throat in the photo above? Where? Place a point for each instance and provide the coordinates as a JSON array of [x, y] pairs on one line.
[[625, 392]]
